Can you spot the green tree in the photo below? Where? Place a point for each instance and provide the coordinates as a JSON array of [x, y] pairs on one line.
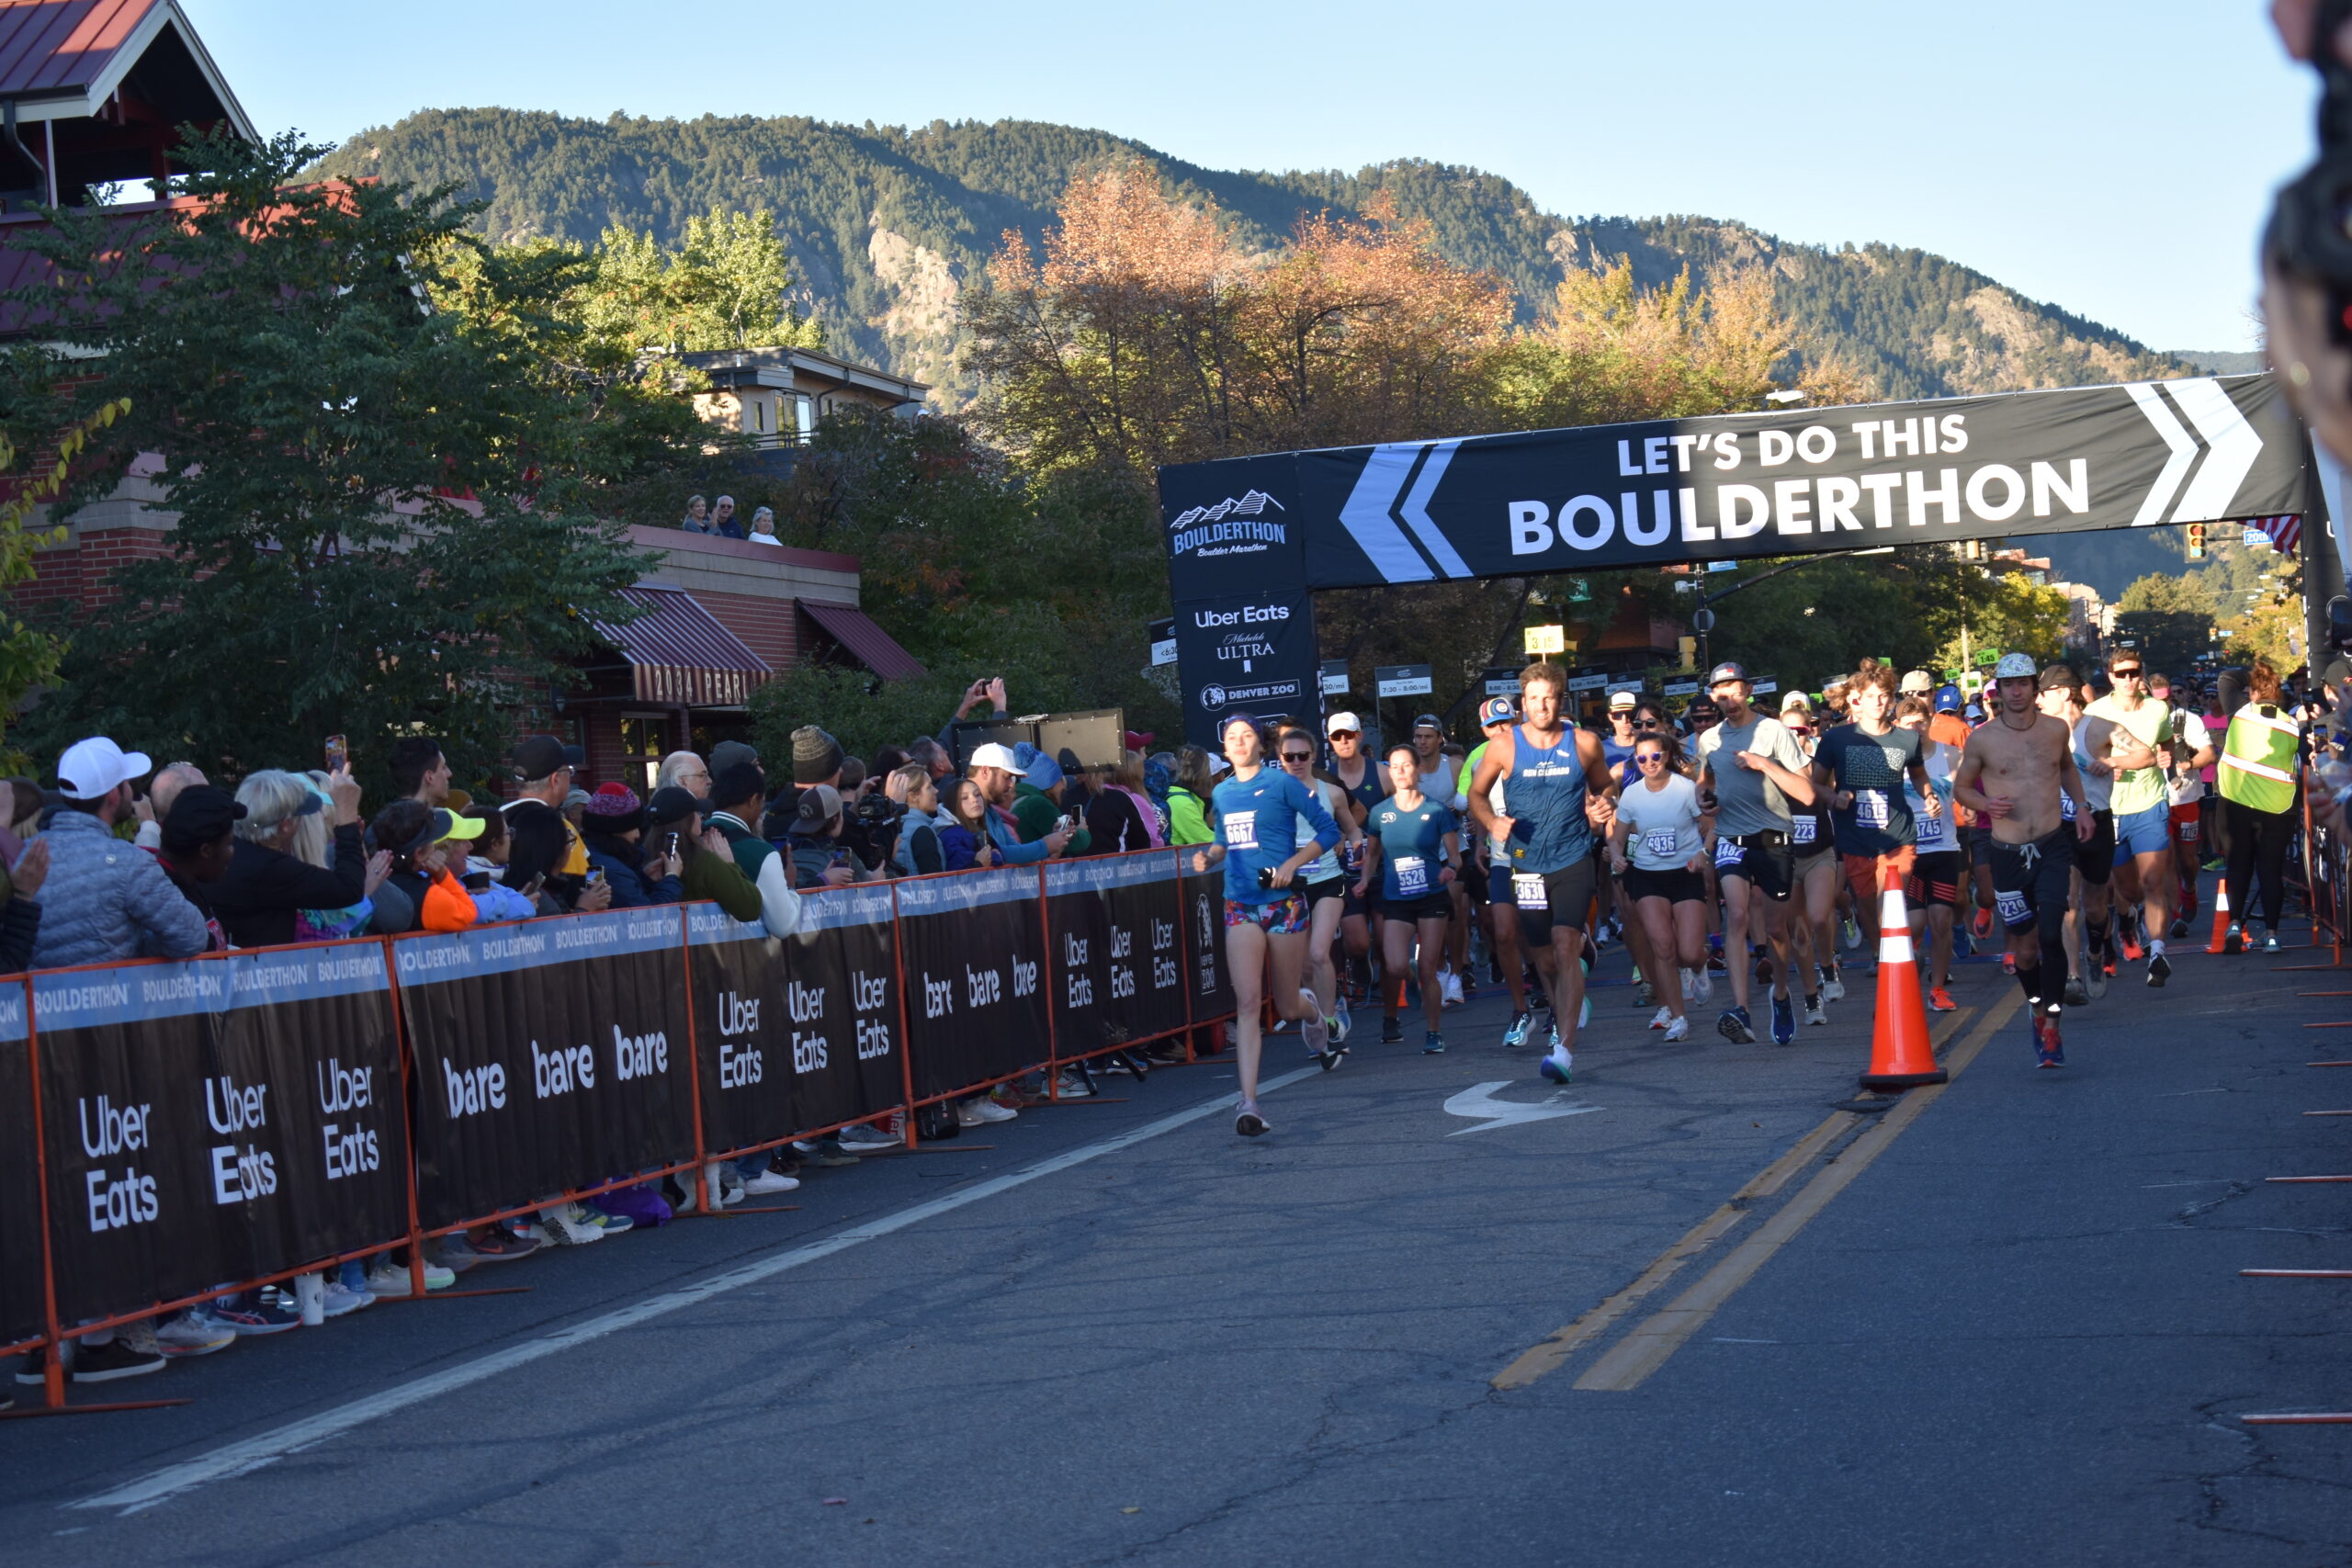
[[725, 283], [374, 531]]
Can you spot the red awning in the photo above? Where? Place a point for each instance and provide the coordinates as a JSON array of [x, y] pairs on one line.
[[680, 656], [862, 640]]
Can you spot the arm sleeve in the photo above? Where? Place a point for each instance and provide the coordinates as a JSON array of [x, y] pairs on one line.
[[448, 906], [157, 907], [779, 904]]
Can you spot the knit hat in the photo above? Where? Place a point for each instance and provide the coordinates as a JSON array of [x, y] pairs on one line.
[[816, 756], [613, 808], [1040, 770]]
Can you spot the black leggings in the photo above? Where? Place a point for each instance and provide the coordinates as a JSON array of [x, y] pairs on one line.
[[2258, 837]]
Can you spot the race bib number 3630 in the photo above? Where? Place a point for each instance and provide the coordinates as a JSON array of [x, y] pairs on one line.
[[1527, 891]]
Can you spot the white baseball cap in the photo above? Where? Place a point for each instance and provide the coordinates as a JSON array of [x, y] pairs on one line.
[[91, 769], [1918, 681], [1343, 723], [994, 756], [1623, 701]]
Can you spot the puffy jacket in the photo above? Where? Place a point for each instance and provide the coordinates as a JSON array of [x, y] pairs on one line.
[[257, 898], [631, 890], [103, 897], [765, 867]]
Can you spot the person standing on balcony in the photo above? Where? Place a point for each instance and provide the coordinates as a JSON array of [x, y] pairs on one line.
[[697, 517], [764, 528], [723, 521]]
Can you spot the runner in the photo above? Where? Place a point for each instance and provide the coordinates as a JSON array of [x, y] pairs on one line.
[[1556, 790], [1813, 864], [1496, 717], [1360, 779], [1416, 846], [1865, 762], [1649, 719], [2189, 758], [1757, 769], [1257, 809], [2016, 772], [1324, 887], [2062, 697], [1936, 864], [1660, 820], [2127, 732]]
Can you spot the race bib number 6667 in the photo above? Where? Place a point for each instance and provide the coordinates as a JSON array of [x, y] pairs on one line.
[[1241, 829]]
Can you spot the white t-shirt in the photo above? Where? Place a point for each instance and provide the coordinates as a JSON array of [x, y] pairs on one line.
[[2096, 790], [2189, 736], [1935, 833], [1326, 864], [1662, 824]]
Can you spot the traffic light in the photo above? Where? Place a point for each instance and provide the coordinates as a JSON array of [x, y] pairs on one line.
[[2196, 541]]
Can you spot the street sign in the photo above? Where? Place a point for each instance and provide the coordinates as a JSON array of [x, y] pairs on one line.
[[1703, 619], [1763, 688], [1502, 680], [1163, 641], [1335, 678], [1587, 682], [1546, 639], [1401, 679], [1680, 688], [1986, 659], [1723, 566], [1632, 683]]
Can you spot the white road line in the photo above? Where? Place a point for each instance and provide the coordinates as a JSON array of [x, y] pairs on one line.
[[238, 1458]]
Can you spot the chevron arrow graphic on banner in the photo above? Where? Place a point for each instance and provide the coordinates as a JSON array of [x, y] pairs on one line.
[[2230, 445], [1372, 513], [2176, 468]]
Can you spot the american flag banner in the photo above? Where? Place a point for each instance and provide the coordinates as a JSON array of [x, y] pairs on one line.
[[2284, 534]]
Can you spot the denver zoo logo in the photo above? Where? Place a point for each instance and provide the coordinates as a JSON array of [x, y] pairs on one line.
[[1236, 526], [1213, 698]]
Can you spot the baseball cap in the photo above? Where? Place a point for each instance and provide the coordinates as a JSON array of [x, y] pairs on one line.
[[994, 755], [1342, 724], [200, 814], [671, 803], [539, 757], [91, 769], [1496, 710], [2015, 667], [1729, 670], [1796, 702], [820, 804], [1947, 699], [2058, 678], [1974, 710], [1917, 681], [1619, 702], [1428, 721]]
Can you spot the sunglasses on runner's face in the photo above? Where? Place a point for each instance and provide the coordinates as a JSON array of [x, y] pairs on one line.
[[1647, 758], [1645, 724], [2131, 672], [1298, 756]]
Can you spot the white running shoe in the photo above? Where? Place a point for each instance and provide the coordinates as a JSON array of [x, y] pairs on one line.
[[1833, 989], [987, 1110], [1690, 987], [1663, 1017], [768, 1181], [1450, 984], [567, 1225], [1315, 1031], [1679, 1029], [1705, 986]]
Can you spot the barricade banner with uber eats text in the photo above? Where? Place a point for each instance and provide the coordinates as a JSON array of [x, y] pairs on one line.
[[217, 1120], [974, 957], [797, 1034], [1116, 950], [1211, 989], [550, 1054], [21, 1315]]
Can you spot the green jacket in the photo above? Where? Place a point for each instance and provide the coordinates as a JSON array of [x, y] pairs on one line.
[[1188, 818], [718, 878], [1034, 813]]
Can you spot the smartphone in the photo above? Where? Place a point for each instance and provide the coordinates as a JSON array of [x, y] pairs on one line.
[[673, 851], [595, 874], [338, 754]]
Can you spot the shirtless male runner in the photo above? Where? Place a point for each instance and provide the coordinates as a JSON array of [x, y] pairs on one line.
[[2013, 772], [1556, 791]]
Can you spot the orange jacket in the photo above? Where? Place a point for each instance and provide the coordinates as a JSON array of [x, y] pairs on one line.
[[448, 906]]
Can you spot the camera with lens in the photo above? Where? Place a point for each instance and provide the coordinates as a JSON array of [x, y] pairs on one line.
[[872, 827]]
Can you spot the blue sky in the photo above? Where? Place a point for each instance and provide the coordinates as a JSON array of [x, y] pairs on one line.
[[2113, 159]]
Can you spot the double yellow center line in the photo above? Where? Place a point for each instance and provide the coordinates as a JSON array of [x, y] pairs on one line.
[[1641, 1352]]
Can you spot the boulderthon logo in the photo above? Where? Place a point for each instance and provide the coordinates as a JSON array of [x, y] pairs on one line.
[[1236, 526]]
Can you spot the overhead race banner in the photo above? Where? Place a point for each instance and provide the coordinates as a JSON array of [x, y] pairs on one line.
[[975, 976], [551, 1055], [1731, 485], [800, 1034], [21, 1316], [1118, 977], [217, 1120]]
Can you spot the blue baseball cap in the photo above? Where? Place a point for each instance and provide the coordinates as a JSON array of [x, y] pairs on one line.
[[1729, 670], [1949, 700]]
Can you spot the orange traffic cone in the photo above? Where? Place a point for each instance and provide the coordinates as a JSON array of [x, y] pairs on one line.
[[1900, 1056], [2221, 916]]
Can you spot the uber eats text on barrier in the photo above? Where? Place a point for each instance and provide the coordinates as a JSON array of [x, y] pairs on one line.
[[173, 1129]]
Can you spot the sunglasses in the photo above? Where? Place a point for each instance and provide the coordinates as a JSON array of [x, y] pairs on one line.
[[1647, 758], [1298, 756], [2131, 674], [1645, 724]]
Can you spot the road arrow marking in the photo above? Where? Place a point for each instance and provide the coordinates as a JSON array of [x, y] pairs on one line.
[[2176, 468], [2234, 445], [1479, 1104]]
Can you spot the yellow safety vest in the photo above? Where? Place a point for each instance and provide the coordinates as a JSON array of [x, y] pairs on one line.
[[2257, 765]]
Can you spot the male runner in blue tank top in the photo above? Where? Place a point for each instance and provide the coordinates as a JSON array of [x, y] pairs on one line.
[[1557, 791]]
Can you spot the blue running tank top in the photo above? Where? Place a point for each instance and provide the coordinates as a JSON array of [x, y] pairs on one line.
[[1544, 796]]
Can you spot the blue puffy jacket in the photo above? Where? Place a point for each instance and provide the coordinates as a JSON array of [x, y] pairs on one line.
[[107, 900]]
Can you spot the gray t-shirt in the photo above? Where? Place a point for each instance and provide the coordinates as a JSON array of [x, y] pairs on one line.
[[1746, 801]]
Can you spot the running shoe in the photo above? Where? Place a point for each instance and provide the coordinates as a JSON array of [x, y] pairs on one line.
[[1979, 925], [1313, 1030], [1645, 994], [255, 1318], [2098, 979], [1345, 1022], [1250, 1124], [1690, 986], [339, 1298], [2077, 994], [1715, 964], [1433, 1044], [1762, 972], [2159, 970], [2180, 926], [113, 1360], [1785, 1021], [2233, 940], [1704, 989], [1391, 1032], [1679, 1029], [1516, 1035], [1940, 1001], [1736, 1027], [1661, 1018], [1559, 1065], [2132, 950], [1449, 989], [1833, 988], [192, 1334], [2270, 942], [1552, 1039], [1849, 933], [2008, 964], [2052, 1052], [1814, 1012]]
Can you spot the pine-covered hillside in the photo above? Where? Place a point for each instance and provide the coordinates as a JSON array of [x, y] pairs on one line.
[[885, 224]]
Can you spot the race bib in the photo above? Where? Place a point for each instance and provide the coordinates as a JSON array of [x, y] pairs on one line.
[[1729, 854], [1241, 829], [1802, 830], [2012, 908], [1935, 832], [1663, 842], [1527, 891], [2065, 807], [1412, 876], [1869, 809], [2188, 830]]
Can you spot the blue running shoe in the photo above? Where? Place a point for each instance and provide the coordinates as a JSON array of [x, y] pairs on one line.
[[1516, 1035], [1433, 1044], [1785, 1021], [1558, 1066], [1735, 1026]]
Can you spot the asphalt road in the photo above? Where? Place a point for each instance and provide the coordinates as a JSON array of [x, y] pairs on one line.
[[1999, 1323]]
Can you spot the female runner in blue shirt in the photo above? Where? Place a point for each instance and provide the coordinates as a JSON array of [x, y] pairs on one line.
[[1257, 809]]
